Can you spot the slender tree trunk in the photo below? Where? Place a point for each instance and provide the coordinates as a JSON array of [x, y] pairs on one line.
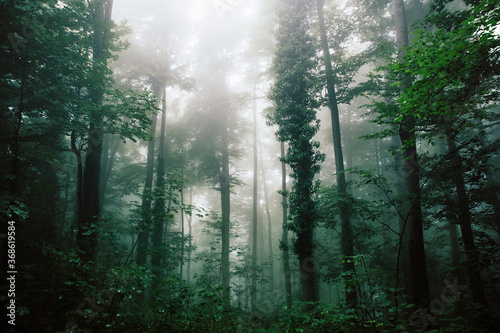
[[159, 209], [182, 223], [182, 210], [452, 222], [190, 231], [145, 221], [225, 193], [347, 234], [254, 208], [403, 277], [284, 232], [269, 228], [377, 157], [144, 226], [418, 268], [464, 217], [261, 254], [247, 304]]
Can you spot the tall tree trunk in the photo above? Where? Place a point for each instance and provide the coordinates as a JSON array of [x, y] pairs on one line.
[[159, 209], [87, 236], [295, 114], [145, 220], [269, 228], [418, 268], [464, 218], [304, 247], [142, 242], [284, 232], [261, 254], [452, 221], [347, 234], [182, 221], [190, 231], [254, 208], [225, 193], [403, 277]]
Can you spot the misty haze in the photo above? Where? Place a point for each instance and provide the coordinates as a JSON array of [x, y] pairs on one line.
[[250, 166]]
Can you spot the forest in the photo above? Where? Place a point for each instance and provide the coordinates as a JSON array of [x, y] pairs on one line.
[[250, 166]]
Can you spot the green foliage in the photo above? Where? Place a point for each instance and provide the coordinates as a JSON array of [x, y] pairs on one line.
[[452, 72], [329, 201], [453, 69], [294, 94], [126, 113], [337, 318], [48, 73]]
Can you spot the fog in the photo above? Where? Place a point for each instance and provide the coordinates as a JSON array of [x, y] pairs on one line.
[[250, 165]]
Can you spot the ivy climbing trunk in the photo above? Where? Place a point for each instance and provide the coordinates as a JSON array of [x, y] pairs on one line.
[[284, 231], [347, 234], [294, 95]]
